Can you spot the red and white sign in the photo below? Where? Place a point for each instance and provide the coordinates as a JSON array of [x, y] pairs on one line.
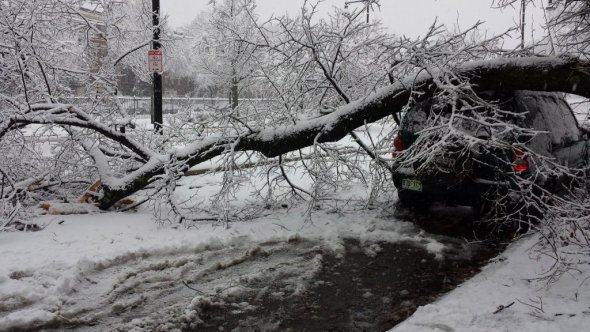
[[155, 61]]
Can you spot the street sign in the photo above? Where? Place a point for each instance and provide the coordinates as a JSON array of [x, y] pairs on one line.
[[155, 61]]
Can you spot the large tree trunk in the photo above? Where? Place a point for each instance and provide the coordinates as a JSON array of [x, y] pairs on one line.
[[564, 74]]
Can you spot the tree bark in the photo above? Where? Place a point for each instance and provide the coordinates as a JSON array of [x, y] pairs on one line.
[[563, 74]]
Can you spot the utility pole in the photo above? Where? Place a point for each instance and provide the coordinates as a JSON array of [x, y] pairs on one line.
[[157, 119], [522, 22], [366, 2]]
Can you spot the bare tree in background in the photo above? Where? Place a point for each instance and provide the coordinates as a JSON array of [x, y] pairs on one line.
[[215, 50], [569, 21]]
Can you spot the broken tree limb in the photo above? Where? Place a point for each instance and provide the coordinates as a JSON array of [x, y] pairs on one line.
[[564, 74]]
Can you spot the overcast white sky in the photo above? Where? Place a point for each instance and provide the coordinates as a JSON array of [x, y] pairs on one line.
[[402, 17]]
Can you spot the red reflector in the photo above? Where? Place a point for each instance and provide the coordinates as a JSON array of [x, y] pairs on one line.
[[398, 146], [520, 160], [398, 143]]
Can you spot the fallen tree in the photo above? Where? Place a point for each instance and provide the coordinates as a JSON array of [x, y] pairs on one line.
[[563, 74], [327, 80], [334, 68]]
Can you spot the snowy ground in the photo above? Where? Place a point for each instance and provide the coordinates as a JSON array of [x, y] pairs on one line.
[[83, 267], [95, 267], [534, 306]]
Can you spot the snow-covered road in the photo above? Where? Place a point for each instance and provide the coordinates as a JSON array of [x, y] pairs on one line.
[[124, 272]]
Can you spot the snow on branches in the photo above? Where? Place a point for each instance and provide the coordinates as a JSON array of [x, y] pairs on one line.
[[322, 81]]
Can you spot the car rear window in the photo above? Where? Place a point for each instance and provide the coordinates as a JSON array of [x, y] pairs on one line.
[[414, 120], [545, 112]]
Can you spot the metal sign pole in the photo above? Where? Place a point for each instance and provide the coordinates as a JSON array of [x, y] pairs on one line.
[[157, 119]]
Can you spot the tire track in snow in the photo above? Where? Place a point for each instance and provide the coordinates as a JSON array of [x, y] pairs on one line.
[[147, 292]]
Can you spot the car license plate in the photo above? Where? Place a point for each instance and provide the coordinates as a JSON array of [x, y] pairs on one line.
[[411, 184]]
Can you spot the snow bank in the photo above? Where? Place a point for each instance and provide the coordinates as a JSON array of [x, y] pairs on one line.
[[510, 281]]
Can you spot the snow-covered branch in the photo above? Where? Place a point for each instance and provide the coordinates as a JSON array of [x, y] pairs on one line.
[[542, 74]]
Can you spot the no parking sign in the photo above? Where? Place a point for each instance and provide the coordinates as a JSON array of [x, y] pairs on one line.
[[155, 61]]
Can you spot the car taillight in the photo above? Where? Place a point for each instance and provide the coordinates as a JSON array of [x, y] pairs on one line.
[[398, 146], [520, 161]]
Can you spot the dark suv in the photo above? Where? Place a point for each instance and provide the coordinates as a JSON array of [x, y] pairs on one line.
[[526, 136]]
